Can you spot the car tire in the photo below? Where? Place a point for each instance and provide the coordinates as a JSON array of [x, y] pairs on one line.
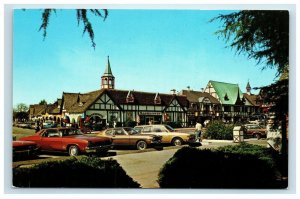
[[141, 145], [73, 150], [177, 141]]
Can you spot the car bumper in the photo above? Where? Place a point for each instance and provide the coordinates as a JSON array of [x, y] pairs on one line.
[[97, 149], [25, 152], [155, 143]]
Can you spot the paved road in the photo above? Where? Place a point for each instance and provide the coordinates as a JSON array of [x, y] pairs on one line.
[[144, 167]]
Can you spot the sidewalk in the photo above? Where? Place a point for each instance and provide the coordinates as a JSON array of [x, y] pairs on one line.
[[262, 142]]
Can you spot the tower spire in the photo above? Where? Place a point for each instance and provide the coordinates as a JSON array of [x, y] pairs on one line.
[[108, 71], [107, 79], [248, 88]]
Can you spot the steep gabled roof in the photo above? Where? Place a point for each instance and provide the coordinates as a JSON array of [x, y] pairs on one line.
[[231, 90], [193, 96], [253, 99], [145, 98], [54, 108], [78, 103], [37, 109]]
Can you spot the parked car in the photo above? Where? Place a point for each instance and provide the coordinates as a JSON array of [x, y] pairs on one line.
[[255, 130], [169, 135], [47, 125], [127, 136], [24, 149], [24, 125], [69, 140], [86, 129]]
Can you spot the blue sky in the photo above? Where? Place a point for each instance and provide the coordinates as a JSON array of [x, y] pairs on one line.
[[150, 50]]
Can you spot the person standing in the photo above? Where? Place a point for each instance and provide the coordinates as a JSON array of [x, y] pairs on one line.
[[198, 131]]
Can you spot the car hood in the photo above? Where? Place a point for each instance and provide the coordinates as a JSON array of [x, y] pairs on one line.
[[87, 138]]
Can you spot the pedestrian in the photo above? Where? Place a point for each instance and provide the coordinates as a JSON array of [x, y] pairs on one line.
[[198, 131], [37, 126]]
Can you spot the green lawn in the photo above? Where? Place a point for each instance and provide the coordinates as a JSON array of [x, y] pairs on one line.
[[20, 132]]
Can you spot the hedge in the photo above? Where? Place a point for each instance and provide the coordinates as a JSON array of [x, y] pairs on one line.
[[219, 131], [84, 172], [195, 168]]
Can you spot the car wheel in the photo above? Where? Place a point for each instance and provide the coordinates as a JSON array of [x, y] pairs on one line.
[[177, 141], [141, 145], [73, 150]]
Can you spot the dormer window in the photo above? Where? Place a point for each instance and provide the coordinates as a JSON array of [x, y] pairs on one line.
[[226, 97], [129, 97], [157, 99], [79, 100]]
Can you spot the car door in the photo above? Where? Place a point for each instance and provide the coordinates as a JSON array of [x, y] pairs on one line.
[[161, 130], [120, 137], [51, 140], [134, 136]]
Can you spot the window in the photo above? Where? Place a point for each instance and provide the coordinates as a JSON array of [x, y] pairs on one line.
[[156, 129], [169, 128], [109, 132], [119, 132], [226, 108], [147, 129], [53, 133], [138, 129]]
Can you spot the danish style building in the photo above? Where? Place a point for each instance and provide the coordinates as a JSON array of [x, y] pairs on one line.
[[219, 100]]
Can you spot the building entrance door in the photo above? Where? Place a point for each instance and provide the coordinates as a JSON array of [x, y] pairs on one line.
[[149, 119]]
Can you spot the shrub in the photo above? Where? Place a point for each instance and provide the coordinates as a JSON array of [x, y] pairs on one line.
[[194, 168], [219, 131], [266, 154], [81, 172]]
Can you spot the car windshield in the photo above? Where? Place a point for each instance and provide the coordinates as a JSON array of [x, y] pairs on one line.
[[169, 128], [131, 131]]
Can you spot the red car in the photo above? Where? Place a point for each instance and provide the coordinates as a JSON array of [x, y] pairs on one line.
[[255, 130], [24, 149], [69, 140]]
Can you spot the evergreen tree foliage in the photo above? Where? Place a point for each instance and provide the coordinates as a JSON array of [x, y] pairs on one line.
[[82, 16]]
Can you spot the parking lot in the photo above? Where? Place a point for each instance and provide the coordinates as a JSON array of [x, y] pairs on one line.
[[206, 144]]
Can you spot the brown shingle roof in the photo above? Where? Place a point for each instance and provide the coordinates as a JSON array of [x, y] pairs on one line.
[[193, 96], [37, 109], [78, 103], [56, 107], [145, 98], [253, 99]]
